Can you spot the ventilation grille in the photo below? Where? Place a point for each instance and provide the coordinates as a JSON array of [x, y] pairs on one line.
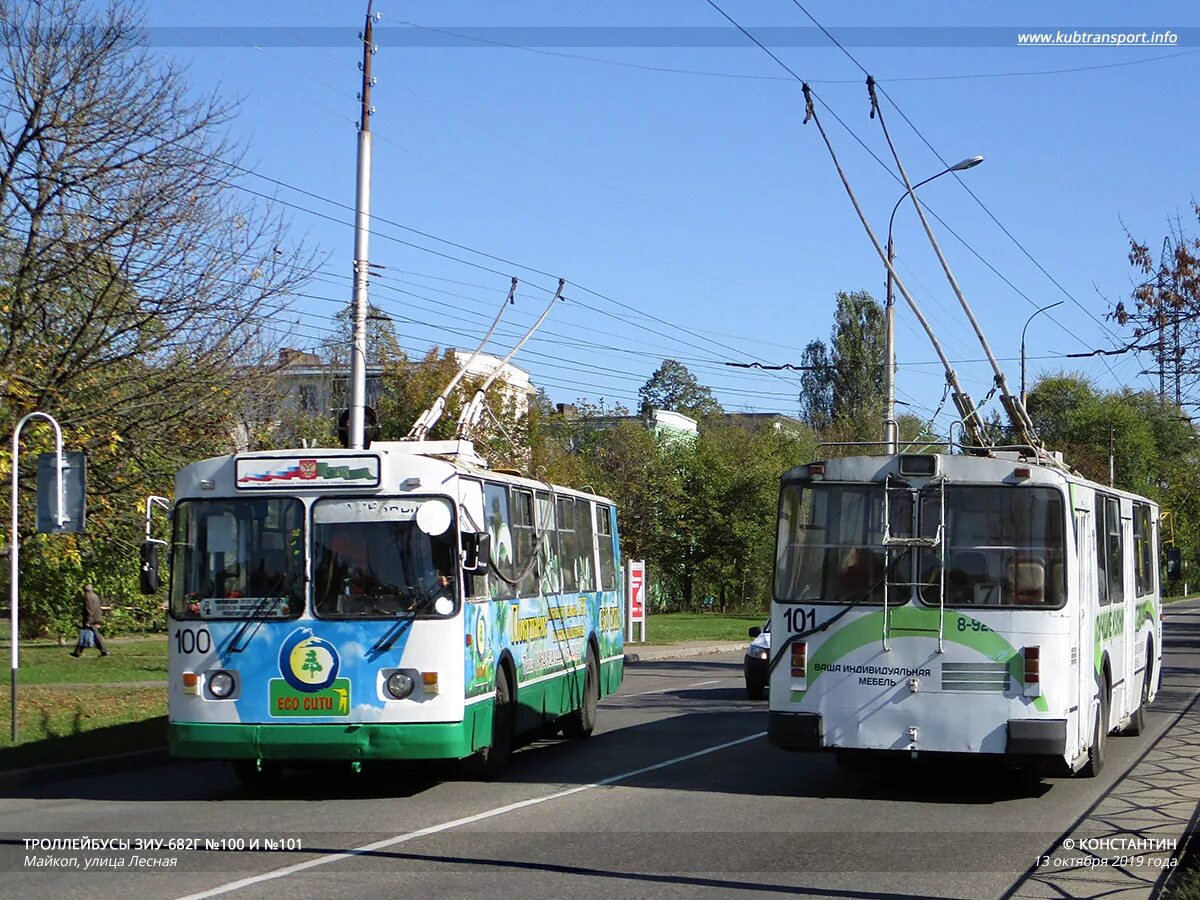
[[975, 677]]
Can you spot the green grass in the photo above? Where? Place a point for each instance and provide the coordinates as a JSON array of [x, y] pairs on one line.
[[73, 709], [62, 724], [671, 628], [140, 659]]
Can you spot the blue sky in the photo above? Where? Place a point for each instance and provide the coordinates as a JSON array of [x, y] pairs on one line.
[[696, 199]]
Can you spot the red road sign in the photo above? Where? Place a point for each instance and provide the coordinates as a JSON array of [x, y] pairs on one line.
[[637, 590]]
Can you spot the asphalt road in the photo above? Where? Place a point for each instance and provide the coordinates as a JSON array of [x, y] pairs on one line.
[[676, 795]]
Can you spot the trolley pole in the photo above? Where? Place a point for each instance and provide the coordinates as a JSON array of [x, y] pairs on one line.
[[14, 549]]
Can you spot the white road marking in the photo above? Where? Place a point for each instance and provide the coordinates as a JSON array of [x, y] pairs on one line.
[[456, 823], [675, 688]]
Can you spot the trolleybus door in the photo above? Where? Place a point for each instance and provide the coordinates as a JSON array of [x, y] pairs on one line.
[[1083, 600]]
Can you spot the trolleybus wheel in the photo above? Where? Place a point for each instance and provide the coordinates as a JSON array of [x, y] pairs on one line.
[[1137, 722], [1095, 758], [490, 762], [580, 723]]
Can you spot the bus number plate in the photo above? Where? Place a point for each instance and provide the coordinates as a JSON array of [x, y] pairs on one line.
[[193, 640], [797, 618]]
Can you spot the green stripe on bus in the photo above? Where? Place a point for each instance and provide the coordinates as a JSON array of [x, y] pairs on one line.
[[908, 621]]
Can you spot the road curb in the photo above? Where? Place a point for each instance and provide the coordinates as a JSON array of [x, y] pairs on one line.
[[81, 768]]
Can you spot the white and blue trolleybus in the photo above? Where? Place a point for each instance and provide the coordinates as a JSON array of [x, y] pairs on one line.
[[398, 603]]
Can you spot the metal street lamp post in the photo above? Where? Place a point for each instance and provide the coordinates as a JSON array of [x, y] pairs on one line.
[[1027, 321], [890, 430]]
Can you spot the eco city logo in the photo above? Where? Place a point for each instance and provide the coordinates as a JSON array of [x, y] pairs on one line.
[[310, 685], [308, 663]]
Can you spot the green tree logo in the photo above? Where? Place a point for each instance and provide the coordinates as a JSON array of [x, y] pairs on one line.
[[311, 663]]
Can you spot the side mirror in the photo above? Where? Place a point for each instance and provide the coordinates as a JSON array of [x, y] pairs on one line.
[[755, 631], [149, 574], [1174, 562], [477, 547]]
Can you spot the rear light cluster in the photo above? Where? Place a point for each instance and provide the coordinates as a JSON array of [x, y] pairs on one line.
[[799, 659], [1032, 674]]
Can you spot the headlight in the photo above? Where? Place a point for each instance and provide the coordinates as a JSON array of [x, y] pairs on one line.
[[759, 654], [221, 684], [400, 685]]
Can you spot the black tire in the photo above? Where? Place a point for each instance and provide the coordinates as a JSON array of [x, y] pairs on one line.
[[755, 690], [491, 762], [579, 724], [1095, 757], [1137, 722], [261, 775]]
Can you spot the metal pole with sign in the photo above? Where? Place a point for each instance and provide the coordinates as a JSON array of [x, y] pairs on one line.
[[60, 505], [636, 601]]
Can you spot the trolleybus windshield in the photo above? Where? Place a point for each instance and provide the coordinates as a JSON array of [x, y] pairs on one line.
[[238, 558], [1003, 547], [382, 558], [830, 543]]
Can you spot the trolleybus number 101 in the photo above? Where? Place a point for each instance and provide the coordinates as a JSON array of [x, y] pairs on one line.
[[797, 618], [189, 640]]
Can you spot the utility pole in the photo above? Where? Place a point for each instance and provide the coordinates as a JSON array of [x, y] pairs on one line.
[[1162, 324], [362, 236]]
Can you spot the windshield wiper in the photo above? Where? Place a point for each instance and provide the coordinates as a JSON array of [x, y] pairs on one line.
[[256, 617], [384, 644]]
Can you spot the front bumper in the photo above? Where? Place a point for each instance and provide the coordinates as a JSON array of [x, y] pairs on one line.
[[369, 740]]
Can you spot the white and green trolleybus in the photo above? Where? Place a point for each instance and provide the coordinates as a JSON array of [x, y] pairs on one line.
[[962, 604], [398, 603]]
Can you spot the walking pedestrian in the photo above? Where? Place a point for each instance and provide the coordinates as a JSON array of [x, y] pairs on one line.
[[89, 634]]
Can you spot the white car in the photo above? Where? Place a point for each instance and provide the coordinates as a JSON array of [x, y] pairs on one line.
[[757, 661]]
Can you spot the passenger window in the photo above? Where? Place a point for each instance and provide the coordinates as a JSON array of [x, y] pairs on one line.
[[585, 569], [607, 548], [495, 502], [549, 564], [1116, 550], [568, 546], [523, 543]]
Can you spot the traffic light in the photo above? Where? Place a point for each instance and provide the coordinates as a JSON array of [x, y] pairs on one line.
[[371, 427]]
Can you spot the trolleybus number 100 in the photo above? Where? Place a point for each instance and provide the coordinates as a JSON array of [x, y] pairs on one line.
[[188, 640]]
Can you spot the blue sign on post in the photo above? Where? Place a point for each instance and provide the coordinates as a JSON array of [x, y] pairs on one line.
[[74, 474]]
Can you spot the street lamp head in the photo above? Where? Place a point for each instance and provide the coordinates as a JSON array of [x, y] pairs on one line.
[[969, 163]]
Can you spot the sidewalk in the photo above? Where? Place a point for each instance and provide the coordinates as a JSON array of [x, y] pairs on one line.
[[640, 653], [1148, 815]]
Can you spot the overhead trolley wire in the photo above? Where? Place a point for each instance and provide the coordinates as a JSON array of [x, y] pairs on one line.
[[970, 192]]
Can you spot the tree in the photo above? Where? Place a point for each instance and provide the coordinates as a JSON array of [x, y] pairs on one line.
[[674, 387], [816, 386], [842, 385], [383, 344], [135, 285], [409, 388]]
